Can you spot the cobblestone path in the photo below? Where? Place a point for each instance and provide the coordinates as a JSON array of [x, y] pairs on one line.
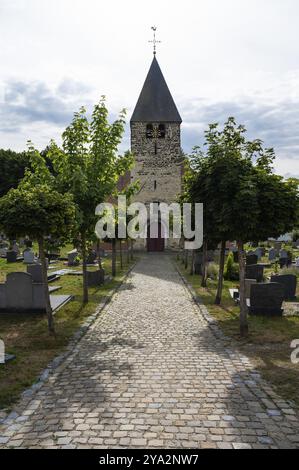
[[151, 372]]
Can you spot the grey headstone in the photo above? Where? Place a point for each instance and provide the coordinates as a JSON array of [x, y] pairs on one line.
[[284, 262], [272, 254], [72, 255], [289, 282], [91, 257], [11, 256], [251, 259], [95, 278], [36, 272], [28, 256], [283, 254], [19, 291], [266, 299], [254, 271], [259, 253]]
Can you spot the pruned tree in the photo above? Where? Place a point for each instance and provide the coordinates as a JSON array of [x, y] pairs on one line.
[[88, 166], [37, 210]]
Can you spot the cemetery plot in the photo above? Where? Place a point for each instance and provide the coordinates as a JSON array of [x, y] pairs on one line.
[[26, 336]]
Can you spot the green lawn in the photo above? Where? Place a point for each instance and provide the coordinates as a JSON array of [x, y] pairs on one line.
[[27, 337], [268, 344]]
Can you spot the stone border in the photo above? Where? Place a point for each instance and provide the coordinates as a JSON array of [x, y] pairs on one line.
[[70, 349], [212, 322]]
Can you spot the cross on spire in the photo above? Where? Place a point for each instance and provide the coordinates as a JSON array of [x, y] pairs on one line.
[[154, 41]]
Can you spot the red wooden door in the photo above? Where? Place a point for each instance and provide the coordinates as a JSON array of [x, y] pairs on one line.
[[155, 244]]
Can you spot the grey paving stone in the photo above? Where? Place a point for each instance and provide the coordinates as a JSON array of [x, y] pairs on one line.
[[153, 370]]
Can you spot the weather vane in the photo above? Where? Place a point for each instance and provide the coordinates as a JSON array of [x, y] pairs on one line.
[[154, 40]]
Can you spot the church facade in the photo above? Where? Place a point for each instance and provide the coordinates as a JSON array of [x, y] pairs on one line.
[[156, 145]]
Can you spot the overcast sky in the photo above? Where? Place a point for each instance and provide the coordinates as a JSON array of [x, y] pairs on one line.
[[219, 58]]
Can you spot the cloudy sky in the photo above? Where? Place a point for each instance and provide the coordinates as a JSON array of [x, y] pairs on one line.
[[220, 58]]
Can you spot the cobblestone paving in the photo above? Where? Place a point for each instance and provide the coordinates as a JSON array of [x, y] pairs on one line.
[[151, 373]]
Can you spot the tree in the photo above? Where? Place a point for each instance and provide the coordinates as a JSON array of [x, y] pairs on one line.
[[88, 166], [235, 181], [38, 211], [12, 169]]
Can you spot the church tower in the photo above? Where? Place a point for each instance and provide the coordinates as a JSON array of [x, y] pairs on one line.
[[156, 145]]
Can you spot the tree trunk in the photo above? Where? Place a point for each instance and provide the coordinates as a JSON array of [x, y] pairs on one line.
[[128, 253], [132, 250], [49, 312], [243, 306], [204, 264], [186, 259], [85, 285], [221, 271], [120, 254], [98, 254], [192, 263], [113, 262]]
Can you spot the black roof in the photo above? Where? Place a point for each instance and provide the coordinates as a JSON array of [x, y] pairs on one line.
[[155, 103]]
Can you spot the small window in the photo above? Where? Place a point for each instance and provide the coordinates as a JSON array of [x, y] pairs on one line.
[[161, 131], [149, 131], [155, 185]]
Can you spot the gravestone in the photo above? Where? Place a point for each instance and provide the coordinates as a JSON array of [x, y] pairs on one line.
[[36, 272], [248, 284], [283, 254], [254, 271], [3, 249], [19, 291], [91, 257], [297, 262], [272, 254], [95, 278], [11, 256], [72, 255], [28, 256], [28, 243], [198, 263], [15, 247], [289, 282], [266, 299], [251, 259], [259, 253], [283, 262]]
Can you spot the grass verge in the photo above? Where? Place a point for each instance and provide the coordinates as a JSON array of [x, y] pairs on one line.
[[268, 343]]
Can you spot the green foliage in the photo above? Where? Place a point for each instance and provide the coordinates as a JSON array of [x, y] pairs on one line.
[[231, 269], [212, 270], [88, 165], [12, 169], [36, 211], [295, 235]]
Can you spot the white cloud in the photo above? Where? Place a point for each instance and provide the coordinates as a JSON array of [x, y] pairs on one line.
[[217, 57]]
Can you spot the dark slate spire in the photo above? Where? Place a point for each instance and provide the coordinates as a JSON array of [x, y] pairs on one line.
[[155, 103]]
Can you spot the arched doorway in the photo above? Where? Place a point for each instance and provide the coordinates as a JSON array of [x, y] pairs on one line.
[[158, 243]]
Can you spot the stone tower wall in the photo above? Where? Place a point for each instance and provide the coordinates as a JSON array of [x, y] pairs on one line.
[[164, 167], [160, 173]]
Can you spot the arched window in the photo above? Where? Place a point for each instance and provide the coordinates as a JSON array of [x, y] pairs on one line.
[[149, 131], [161, 131]]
